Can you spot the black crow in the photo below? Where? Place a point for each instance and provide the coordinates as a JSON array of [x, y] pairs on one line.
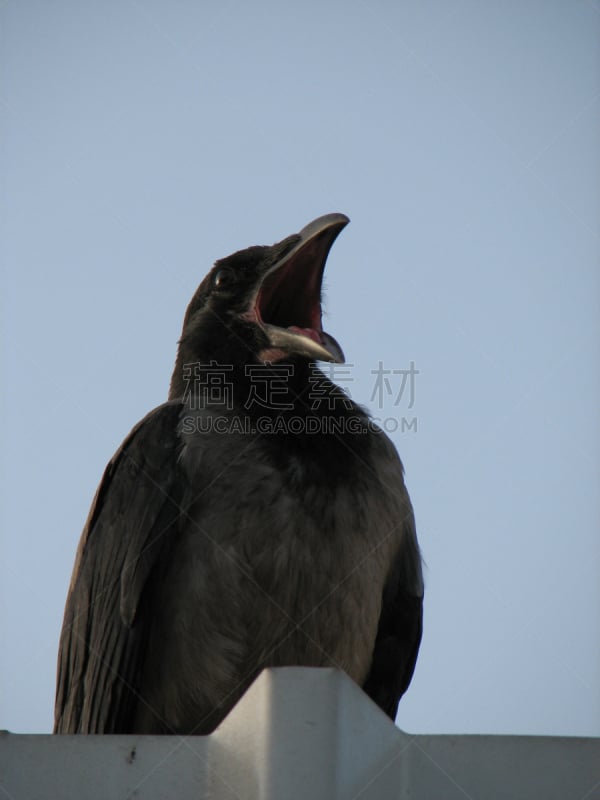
[[258, 518]]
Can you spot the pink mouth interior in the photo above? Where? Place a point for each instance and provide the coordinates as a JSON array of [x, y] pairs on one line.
[[310, 332], [290, 297]]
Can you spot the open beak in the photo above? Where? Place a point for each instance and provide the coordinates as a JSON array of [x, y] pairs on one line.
[[288, 301]]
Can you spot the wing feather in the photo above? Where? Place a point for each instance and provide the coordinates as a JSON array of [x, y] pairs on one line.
[[131, 526], [400, 624], [400, 627]]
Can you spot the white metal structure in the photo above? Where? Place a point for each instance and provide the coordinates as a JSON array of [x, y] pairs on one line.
[[300, 734]]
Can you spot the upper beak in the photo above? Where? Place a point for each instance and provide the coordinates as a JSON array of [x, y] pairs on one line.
[[288, 302]]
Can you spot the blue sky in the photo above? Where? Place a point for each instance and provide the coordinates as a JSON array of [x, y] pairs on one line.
[[143, 140]]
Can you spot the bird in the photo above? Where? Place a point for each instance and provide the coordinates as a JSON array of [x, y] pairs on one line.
[[257, 518]]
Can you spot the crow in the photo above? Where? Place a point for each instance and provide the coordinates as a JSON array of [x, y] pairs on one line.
[[258, 518]]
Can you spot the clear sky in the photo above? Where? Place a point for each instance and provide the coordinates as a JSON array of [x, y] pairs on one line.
[[143, 140]]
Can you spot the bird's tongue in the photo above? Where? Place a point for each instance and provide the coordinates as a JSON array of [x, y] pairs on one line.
[[288, 339], [311, 333]]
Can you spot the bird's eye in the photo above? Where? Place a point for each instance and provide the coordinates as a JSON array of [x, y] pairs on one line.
[[224, 277]]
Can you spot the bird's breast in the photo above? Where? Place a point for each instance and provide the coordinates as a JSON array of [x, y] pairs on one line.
[[273, 567]]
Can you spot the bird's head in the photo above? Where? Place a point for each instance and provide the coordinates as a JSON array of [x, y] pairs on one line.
[[262, 305]]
